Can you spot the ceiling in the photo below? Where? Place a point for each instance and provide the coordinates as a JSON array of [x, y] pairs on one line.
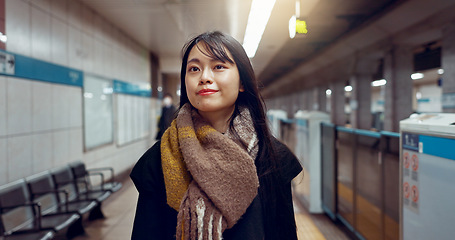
[[163, 26]]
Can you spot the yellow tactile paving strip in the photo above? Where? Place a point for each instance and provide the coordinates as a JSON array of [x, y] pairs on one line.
[[306, 228]]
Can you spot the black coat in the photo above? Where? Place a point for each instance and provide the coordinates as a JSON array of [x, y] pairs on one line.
[[156, 220]]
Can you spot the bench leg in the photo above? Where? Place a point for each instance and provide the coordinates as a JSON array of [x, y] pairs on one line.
[[96, 213], [75, 229]]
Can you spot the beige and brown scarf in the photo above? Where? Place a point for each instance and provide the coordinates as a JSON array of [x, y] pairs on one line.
[[210, 177]]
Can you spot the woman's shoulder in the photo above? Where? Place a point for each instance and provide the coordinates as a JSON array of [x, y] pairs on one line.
[[147, 173], [289, 164]]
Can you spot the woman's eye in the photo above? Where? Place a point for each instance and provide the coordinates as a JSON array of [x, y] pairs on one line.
[[219, 67], [193, 69]]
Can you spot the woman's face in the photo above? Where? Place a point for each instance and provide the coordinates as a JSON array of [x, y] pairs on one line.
[[212, 86]]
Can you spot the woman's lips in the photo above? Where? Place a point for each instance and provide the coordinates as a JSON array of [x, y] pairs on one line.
[[204, 92]]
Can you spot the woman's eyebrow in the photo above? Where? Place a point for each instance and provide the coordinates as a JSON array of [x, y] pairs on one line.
[[194, 60]]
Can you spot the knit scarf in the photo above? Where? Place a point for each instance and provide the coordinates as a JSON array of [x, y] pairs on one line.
[[210, 177]]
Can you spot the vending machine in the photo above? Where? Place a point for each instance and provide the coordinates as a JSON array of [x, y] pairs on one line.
[[427, 176]]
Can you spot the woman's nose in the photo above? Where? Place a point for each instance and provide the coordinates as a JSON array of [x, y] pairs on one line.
[[206, 77]]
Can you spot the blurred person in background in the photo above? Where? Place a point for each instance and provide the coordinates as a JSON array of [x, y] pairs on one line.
[[167, 115]]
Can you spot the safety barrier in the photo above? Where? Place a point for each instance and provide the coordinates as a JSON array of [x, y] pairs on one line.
[[360, 180]]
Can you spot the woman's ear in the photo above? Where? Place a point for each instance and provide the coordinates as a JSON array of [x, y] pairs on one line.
[[241, 89]]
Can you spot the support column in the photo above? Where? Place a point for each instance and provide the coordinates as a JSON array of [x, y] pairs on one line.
[[337, 102], [448, 63], [315, 102], [322, 98], [398, 68], [360, 101], [306, 100]]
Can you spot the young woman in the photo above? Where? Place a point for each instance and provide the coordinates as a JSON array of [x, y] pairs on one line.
[[217, 172]]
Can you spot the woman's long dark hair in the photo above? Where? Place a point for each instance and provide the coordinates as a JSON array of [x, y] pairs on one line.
[[215, 45]]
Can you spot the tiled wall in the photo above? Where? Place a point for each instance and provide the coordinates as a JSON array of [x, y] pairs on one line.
[[41, 123]]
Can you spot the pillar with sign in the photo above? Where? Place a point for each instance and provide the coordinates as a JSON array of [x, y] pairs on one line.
[[427, 162]]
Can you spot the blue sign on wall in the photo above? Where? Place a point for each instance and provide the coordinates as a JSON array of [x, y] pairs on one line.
[[131, 89], [25, 67]]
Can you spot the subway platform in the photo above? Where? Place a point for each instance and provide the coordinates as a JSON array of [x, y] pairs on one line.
[[120, 210]]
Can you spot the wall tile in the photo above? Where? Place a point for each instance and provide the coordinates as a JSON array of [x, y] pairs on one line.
[[76, 150], [107, 59], [19, 157], [99, 31], [97, 58], [19, 106], [40, 33], [42, 106], [75, 50], [75, 14], [61, 143], [75, 106], [88, 53], [44, 5], [59, 9], [3, 161], [17, 22], [59, 42], [60, 111], [42, 152], [3, 106], [87, 20]]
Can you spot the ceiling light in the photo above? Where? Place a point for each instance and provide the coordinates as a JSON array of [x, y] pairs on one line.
[[3, 37], [297, 26], [378, 83], [348, 88], [440, 71], [418, 95], [328, 92], [257, 20], [292, 25], [416, 76]]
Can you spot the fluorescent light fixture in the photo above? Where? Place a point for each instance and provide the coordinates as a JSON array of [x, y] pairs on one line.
[[416, 76], [257, 20], [348, 88], [88, 95], [440, 71], [378, 83], [3, 37], [292, 25], [418, 95], [108, 90], [328, 92]]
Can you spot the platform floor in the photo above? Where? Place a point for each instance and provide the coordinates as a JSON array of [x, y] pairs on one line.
[[120, 208]]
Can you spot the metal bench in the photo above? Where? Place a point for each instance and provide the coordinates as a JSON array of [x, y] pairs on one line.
[[83, 174], [52, 200], [22, 218], [64, 180]]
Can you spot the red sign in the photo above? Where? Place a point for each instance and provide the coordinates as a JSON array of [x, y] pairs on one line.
[[406, 189], [406, 160], [415, 193], [415, 163]]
